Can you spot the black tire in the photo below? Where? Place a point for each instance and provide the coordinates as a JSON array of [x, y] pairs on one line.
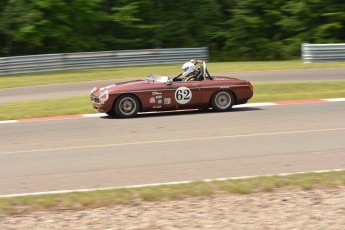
[[222, 101], [126, 106], [111, 113]]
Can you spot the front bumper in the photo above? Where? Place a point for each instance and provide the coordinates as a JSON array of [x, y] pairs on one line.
[[98, 106]]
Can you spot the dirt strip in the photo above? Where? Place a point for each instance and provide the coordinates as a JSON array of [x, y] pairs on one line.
[[310, 209]]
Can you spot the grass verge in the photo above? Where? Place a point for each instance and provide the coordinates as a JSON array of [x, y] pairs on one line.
[[32, 79], [46, 108], [263, 92], [134, 196], [282, 91]]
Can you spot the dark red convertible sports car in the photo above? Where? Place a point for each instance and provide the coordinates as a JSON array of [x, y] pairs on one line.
[[162, 93]]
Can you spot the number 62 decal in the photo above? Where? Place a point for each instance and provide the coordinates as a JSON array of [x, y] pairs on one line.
[[183, 95]]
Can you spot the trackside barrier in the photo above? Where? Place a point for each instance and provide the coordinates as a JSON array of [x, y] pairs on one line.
[[67, 61], [323, 52]]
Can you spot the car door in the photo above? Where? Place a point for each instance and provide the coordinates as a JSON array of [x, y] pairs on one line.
[[182, 95]]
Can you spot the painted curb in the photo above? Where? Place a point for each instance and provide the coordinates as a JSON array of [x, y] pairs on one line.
[[95, 115], [160, 184]]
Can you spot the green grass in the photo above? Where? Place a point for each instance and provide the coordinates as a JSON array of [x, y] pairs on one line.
[[263, 92], [278, 91], [134, 196], [32, 79], [45, 108]]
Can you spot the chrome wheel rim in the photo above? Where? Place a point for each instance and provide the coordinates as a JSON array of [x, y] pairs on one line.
[[127, 106], [223, 100]]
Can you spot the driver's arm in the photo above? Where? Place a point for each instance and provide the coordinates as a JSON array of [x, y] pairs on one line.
[[179, 75]]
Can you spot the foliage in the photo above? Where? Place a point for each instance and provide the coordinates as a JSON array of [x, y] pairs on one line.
[[276, 29], [232, 29]]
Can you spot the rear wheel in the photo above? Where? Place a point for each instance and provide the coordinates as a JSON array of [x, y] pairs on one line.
[[222, 101], [126, 106]]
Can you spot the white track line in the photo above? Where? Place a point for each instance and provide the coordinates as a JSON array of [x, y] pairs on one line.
[[8, 121], [159, 184], [93, 115], [334, 99]]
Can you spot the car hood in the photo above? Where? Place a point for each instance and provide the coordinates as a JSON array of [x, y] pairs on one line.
[[118, 86], [131, 85]]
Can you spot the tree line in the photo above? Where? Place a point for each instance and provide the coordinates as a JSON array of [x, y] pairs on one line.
[[232, 29]]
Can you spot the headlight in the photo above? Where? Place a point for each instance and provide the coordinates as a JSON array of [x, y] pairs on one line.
[[104, 96], [93, 90]]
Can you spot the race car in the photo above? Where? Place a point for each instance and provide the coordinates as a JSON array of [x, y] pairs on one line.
[[163, 93]]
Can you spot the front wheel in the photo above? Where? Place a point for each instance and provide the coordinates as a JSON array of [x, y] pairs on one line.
[[111, 113], [222, 101], [126, 106]]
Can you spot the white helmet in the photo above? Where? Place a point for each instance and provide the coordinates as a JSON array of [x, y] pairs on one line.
[[188, 68]]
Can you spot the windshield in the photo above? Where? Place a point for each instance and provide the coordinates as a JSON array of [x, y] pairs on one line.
[[157, 78]]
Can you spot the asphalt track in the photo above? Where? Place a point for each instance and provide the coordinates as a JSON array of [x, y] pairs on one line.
[[84, 88], [156, 148]]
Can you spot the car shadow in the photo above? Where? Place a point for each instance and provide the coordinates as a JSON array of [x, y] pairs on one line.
[[184, 112], [245, 109]]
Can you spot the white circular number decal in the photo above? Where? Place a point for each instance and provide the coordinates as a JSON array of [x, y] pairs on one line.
[[183, 95]]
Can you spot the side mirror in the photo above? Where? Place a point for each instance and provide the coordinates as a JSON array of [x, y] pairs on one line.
[[169, 81]]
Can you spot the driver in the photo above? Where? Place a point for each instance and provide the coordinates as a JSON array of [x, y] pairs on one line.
[[189, 71]]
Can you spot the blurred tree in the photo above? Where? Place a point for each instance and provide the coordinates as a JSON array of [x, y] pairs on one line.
[[18, 24], [49, 26], [313, 21], [185, 23], [232, 29], [69, 26], [269, 30], [125, 26], [254, 32]]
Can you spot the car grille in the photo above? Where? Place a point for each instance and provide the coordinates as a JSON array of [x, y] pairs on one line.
[[95, 99]]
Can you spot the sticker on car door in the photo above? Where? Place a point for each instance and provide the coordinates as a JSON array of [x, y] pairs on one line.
[[183, 95]]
